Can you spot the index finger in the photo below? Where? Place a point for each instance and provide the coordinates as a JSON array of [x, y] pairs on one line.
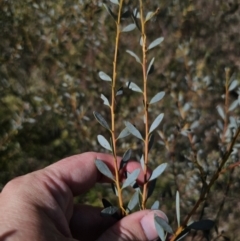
[[79, 172]]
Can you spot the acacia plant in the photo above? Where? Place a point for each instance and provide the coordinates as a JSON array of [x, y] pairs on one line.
[[140, 19]]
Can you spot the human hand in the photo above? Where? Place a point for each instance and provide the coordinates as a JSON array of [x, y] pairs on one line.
[[39, 206]]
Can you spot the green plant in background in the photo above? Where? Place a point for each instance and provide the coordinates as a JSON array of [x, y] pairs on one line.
[[141, 194]]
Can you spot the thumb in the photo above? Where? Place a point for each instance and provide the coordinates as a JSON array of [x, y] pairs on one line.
[[137, 226]]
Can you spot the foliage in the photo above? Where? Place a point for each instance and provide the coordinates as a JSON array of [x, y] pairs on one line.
[[51, 56]]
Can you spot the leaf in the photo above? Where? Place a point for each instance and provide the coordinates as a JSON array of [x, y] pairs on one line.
[[150, 66], [104, 143], [126, 157], [115, 1], [124, 133], [163, 224], [206, 224], [120, 91], [178, 208], [109, 211], [134, 55], [151, 187], [155, 205], [136, 13], [104, 76], [142, 162], [156, 122], [106, 203], [132, 86], [150, 142], [134, 201], [129, 27], [157, 97], [110, 11], [105, 100], [155, 43], [159, 230], [131, 178], [149, 16], [101, 120], [233, 85], [158, 171], [141, 41], [221, 111], [233, 76], [103, 168], [133, 130], [233, 105]]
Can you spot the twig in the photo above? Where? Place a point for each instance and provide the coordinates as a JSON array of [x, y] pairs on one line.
[[112, 107], [208, 187]]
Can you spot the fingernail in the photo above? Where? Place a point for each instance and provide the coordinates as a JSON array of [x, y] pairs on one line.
[[148, 226]]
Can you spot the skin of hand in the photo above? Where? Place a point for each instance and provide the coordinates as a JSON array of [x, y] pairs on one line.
[[39, 205]]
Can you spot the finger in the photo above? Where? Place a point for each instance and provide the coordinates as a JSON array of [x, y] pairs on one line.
[[79, 172], [137, 226], [87, 224]]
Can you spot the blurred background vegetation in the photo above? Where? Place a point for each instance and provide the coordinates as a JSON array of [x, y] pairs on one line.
[[50, 56]]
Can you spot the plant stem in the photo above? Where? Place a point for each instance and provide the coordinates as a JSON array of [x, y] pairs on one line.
[[208, 187], [112, 107], [145, 101], [227, 72]]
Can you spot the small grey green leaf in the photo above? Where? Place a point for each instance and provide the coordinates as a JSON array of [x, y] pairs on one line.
[[178, 208], [126, 157], [156, 122], [103, 168], [142, 162], [133, 201], [150, 65], [150, 142], [233, 85], [104, 76], [221, 111], [125, 132], [163, 224], [158, 171], [101, 120], [133, 130], [157, 97], [132, 177], [129, 27], [149, 15], [141, 41], [115, 1], [104, 143], [109, 211], [155, 205], [134, 55], [120, 91], [105, 100], [133, 87], [110, 11], [159, 230], [155, 43]]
